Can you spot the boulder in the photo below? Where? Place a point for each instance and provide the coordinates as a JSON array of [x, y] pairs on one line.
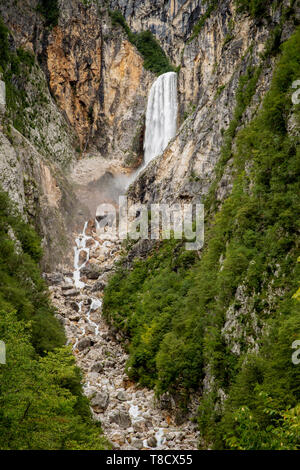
[[101, 282], [60, 318], [139, 250], [54, 278], [109, 364], [71, 292], [66, 286], [142, 426], [74, 317], [82, 257], [137, 444], [166, 402], [74, 305], [118, 437]]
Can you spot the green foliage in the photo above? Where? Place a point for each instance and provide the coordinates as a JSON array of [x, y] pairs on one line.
[[50, 10], [174, 317], [154, 57], [142, 303], [41, 400]]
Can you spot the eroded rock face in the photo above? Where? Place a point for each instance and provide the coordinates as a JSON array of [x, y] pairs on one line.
[[2, 96], [126, 87], [100, 89], [96, 77], [84, 343]]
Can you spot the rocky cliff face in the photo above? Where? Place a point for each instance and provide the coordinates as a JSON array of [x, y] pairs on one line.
[[86, 96], [94, 73], [41, 193], [212, 64]]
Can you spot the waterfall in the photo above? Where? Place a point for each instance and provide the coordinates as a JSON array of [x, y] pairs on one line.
[[161, 115]]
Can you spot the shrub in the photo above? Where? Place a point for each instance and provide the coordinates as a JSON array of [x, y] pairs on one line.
[[42, 405]]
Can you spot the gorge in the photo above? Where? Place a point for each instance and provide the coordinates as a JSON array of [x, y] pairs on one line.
[[142, 344]]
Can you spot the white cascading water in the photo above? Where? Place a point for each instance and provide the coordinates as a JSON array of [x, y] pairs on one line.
[[161, 116]]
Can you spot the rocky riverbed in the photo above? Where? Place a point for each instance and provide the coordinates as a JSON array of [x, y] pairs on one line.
[[131, 417]]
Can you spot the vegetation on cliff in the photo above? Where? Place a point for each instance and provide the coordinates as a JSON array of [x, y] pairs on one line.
[[255, 8], [175, 314], [41, 400], [50, 11], [154, 57]]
